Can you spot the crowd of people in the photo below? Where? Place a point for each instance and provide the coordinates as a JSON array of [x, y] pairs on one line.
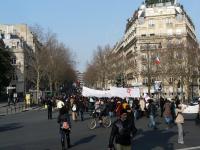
[[126, 112]]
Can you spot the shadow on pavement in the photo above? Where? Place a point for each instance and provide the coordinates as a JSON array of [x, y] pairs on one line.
[[10, 126], [154, 139], [85, 140]]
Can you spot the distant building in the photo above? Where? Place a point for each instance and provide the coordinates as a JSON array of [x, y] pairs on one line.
[[80, 81]]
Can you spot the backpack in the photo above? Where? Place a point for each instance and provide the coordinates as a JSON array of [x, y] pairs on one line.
[[65, 125]]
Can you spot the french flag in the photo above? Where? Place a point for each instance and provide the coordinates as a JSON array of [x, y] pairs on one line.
[[157, 60]]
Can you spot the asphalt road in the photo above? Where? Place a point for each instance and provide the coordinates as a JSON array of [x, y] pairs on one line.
[[32, 131]]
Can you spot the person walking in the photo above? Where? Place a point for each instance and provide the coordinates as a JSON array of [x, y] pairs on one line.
[[81, 107], [49, 108], [168, 113], [162, 103], [65, 126], [152, 114], [142, 104], [198, 115], [179, 121], [123, 131]]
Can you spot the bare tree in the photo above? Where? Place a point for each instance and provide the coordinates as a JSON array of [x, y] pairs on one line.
[[52, 61], [37, 69], [101, 65], [179, 62], [60, 64]]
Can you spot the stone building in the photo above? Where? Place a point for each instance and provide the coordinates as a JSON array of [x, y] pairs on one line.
[[19, 40], [164, 31]]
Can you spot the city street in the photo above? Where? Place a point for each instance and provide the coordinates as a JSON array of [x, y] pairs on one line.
[[32, 131]]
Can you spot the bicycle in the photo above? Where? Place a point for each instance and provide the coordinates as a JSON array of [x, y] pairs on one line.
[[105, 121]]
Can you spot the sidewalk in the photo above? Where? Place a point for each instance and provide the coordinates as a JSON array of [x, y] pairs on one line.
[[13, 109]]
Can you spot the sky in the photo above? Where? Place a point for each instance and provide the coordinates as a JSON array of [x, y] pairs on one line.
[[82, 25]]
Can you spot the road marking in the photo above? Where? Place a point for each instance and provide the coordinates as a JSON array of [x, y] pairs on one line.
[[190, 148]]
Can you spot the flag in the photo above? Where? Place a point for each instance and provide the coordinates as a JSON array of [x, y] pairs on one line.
[[157, 61]]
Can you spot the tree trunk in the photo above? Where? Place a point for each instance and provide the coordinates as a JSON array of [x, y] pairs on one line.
[[173, 88], [187, 91], [51, 85], [38, 87], [56, 87]]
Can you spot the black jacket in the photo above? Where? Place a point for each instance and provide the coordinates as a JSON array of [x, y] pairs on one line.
[[122, 132], [152, 109], [62, 118]]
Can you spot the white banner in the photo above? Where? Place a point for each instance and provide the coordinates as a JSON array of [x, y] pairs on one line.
[[113, 92], [191, 109], [87, 92]]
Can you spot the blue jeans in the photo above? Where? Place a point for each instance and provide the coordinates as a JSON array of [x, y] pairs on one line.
[[64, 136], [135, 114], [111, 114], [152, 123]]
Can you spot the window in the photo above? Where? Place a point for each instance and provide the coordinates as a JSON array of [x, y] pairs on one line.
[[171, 80], [14, 31], [168, 21], [13, 61], [179, 17], [14, 47], [144, 57], [178, 31], [152, 34], [143, 35], [145, 81], [151, 23], [141, 20], [170, 32], [17, 44]]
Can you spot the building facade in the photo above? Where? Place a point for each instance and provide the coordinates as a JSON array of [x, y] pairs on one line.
[[19, 40], [80, 81], [160, 31]]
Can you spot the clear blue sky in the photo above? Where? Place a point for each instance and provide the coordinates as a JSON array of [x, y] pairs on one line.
[[82, 24]]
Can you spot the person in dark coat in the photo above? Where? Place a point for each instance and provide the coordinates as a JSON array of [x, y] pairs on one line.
[[49, 107], [65, 126], [123, 130], [152, 114], [81, 107], [162, 103]]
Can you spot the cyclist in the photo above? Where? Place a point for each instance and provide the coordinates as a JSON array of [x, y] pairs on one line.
[[100, 109]]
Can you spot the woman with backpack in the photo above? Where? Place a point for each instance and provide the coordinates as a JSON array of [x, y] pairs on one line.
[[65, 126]]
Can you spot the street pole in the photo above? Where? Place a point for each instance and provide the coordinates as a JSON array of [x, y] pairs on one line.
[[148, 71]]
